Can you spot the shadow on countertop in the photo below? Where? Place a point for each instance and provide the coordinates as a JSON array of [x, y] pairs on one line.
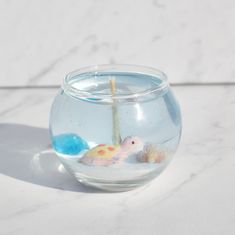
[[19, 158]]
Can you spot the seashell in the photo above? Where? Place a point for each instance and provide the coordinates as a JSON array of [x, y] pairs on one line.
[[151, 154]]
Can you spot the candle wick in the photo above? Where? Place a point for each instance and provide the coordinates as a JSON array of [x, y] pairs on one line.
[[116, 130]]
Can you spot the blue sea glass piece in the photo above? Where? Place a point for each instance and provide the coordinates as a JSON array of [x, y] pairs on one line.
[[69, 143]]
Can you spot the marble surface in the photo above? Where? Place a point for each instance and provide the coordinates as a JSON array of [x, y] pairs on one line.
[[194, 195], [190, 40]]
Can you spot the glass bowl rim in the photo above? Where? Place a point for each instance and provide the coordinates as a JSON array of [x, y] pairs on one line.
[[137, 69]]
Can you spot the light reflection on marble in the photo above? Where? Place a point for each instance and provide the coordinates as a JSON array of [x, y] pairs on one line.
[[192, 41], [195, 195]]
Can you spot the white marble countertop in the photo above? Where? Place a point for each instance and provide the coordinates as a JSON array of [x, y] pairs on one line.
[[194, 195]]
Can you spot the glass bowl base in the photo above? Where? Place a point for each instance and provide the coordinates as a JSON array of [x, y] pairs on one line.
[[114, 178], [118, 186]]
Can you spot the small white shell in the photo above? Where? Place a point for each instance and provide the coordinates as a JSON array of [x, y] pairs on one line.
[[151, 154]]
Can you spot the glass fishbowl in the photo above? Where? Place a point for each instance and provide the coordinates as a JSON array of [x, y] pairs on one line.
[[115, 127]]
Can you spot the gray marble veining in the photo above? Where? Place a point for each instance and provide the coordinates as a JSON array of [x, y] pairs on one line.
[[41, 41]]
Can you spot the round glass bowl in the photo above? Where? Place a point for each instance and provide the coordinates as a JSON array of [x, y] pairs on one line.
[[115, 127]]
